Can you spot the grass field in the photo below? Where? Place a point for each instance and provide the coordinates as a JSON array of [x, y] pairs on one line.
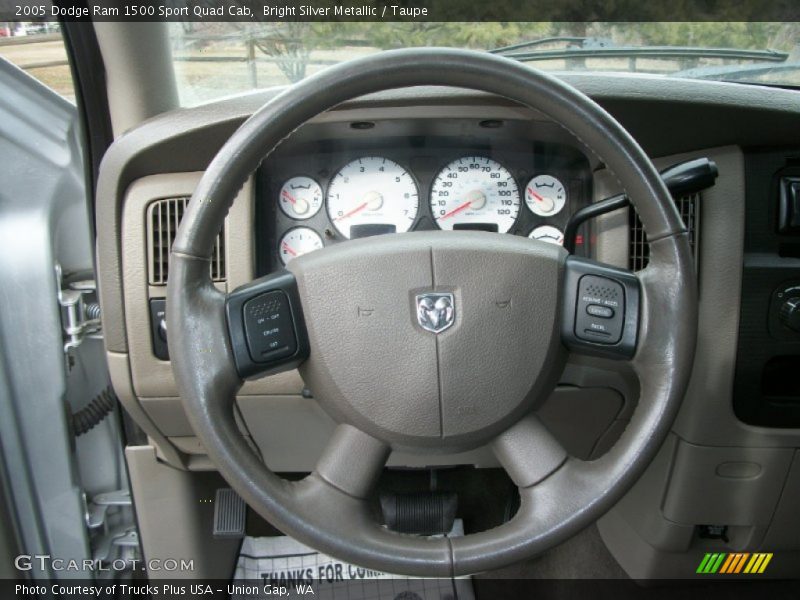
[[202, 81], [197, 81], [28, 55]]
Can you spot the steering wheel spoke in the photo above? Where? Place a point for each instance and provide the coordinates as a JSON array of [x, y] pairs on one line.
[[352, 461], [266, 325], [601, 306], [528, 452]]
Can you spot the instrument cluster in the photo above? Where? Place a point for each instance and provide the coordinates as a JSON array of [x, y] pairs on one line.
[[311, 200]]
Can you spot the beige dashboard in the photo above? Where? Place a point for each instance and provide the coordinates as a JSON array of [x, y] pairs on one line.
[[164, 159], [273, 411]]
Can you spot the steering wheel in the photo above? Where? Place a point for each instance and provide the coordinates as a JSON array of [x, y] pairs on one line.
[[434, 341]]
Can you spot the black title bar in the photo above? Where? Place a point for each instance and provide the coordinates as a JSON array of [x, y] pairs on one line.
[[401, 10]]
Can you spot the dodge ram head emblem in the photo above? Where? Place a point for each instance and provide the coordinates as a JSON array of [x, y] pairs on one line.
[[436, 311]]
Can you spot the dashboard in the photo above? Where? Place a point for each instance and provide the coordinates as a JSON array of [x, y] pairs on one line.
[[744, 262], [356, 179]]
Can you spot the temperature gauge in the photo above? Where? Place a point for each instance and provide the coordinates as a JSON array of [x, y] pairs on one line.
[[298, 241], [545, 195], [300, 198], [548, 233]]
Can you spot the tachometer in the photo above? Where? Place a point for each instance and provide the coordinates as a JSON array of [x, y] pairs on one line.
[[298, 241], [300, 198], [475, 192], [372, 195], [545, 195]]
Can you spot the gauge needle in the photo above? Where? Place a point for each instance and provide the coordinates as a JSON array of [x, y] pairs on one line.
[[289, 197], [535, 195], [288, 249], [456, 210], [357, 209]]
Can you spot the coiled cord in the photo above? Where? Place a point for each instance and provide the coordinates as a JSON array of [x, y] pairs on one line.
[[93, 413]]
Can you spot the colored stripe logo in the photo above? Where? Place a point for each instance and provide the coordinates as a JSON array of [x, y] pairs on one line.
[[734, 563]]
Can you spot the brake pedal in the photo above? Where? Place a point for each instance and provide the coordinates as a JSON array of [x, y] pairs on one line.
[[230, 514], [422, 513]]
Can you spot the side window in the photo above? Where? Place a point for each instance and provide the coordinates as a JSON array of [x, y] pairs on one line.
[[38, 49]]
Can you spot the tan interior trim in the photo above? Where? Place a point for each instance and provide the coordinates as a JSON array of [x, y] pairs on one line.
[[152, 378], [140, 78], [119, 373]]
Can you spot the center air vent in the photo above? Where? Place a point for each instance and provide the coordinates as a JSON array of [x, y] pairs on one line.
[[689, 209], [163, 218]]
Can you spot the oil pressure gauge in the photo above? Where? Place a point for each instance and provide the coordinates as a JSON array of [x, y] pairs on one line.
[[545, 195], [298, 241], [300, 198]]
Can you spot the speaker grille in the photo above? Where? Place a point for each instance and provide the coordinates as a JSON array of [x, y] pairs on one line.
[[163, 217], [639, 249]]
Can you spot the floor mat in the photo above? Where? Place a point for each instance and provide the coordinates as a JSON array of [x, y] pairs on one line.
[[279, 566], [583, 556]]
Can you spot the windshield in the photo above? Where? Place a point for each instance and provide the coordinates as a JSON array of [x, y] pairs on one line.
[[220, 59]]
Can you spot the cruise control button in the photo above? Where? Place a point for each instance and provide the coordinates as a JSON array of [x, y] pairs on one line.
[[269, 327], [604, 312], [600, 312], [596, 332]]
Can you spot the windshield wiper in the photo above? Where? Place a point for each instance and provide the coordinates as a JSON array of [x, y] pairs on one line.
[[737, 72], [548, 40], [588, 47]]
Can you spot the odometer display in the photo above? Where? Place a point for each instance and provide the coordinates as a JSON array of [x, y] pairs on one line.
[[475, 192]]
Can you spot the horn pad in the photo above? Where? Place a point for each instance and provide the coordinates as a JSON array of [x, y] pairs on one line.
[[432, 340]]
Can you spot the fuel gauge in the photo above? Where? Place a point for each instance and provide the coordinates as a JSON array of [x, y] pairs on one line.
[[300, 198]]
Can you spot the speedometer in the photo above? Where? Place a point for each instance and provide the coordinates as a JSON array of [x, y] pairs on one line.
[[372, 195], [475, 192]]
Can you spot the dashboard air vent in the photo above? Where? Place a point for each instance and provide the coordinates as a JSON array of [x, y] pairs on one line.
[[163, 218], [639, 250]]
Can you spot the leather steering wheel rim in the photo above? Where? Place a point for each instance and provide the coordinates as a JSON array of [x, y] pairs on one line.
[[327, 510]]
